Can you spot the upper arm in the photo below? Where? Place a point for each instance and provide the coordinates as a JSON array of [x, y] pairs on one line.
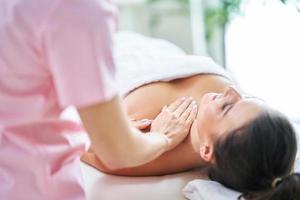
[[77, 41]]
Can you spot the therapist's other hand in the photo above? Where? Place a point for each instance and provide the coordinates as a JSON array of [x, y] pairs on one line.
[[175, 120], [141, 124]]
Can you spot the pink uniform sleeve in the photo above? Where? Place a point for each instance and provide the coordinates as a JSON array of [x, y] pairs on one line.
[[78, 46]]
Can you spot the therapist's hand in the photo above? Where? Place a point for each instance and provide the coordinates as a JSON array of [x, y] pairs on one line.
[[175, 120], [141, 124]]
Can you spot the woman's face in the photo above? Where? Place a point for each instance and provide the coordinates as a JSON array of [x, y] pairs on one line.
[[221, 113]]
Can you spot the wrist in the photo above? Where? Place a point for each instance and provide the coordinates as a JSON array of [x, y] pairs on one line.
[[166, 146], [163, 140], [148, 147]]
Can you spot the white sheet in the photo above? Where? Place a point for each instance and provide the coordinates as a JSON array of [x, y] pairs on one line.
[[99, 186]]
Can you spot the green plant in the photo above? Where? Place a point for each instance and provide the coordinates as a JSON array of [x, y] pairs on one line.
[[214, 16], [220, 16]]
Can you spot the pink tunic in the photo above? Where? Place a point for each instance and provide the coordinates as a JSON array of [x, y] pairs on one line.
[[53, 53]]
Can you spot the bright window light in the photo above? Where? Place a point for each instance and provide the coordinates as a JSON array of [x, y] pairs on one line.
[[263, 53]]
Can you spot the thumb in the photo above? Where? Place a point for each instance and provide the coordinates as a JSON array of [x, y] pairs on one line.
[[142, 124]]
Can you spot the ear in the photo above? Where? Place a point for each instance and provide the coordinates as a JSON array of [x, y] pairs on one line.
[[206, 153]]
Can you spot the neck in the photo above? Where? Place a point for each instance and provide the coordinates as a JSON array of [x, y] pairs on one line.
[[196, 143], [194, 137]]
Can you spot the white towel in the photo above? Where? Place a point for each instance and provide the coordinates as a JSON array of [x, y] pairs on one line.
[[141, 60], [208, 190]]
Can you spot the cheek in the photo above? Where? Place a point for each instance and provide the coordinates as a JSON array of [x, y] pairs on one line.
[[205, 119], [208, 107], [209, 118], [207, 113]]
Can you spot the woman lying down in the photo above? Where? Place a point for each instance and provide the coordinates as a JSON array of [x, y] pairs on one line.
[[239, 141]]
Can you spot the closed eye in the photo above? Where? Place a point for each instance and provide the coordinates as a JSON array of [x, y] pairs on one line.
[[226, 107]]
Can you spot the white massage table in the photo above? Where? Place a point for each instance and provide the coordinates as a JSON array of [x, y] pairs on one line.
[[100, 186]]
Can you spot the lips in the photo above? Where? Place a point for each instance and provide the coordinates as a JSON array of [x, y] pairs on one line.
[[214, 97]]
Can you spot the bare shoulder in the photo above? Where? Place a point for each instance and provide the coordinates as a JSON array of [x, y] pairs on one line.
[[147, 101]]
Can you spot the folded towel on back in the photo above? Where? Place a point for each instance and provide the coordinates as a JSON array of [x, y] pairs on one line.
[[141, 60]]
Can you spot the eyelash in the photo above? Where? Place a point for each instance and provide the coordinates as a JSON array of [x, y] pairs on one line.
[[225, 105]]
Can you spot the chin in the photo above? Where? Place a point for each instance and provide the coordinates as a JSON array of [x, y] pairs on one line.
[[203, 112], [205, 99]]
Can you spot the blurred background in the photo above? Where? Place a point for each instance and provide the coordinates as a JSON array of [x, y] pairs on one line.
[[257, 41]]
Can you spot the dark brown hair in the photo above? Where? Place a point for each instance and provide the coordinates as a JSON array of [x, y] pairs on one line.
[[250, 158]]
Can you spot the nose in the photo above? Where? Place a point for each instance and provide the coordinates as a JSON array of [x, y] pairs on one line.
[[233, 93]]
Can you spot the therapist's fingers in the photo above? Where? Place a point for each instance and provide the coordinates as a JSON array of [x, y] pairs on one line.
[[183, 106], [190, 112], [192, 116], [173, 106], [141, 124], [173, 127]]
